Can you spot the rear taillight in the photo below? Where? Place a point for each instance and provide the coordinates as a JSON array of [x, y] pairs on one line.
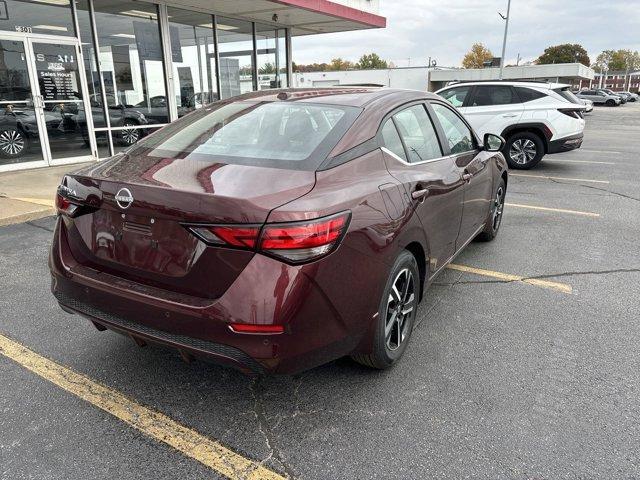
[[64, 205], [294, 242], [303, 241], [572, 112]]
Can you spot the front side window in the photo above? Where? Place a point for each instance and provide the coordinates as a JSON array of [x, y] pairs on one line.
[[418, 134], [274, 134], [455, 96], [487, 95], [458, 135]]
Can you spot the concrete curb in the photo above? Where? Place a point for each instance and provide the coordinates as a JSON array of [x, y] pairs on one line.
[[27, 216]]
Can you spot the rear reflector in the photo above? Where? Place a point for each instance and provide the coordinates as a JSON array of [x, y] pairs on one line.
[[256, 329]]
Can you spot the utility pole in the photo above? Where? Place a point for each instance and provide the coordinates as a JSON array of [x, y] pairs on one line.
[[504, 41]]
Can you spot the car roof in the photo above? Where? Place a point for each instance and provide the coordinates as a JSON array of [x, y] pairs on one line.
[[547, 85], [339, 95]]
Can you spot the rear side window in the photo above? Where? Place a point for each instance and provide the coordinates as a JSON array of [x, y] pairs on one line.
[[456, 131], [486, 95], [529, 94], [392, 141], [456, 96], [418, 134], [275, 134]]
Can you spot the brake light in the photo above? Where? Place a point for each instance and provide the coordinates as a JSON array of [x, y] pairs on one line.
[[239, 236], [64, 206], [300, 242], [571, 112], [294, 242]]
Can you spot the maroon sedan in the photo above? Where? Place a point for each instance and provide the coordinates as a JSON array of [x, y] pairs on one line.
[[277, 231]]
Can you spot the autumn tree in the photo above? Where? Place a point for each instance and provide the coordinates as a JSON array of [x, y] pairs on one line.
[[613, 60], [371, 61], [477, 56], [565, 53], [340, 64]]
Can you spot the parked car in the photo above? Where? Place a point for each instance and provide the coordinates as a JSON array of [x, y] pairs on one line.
[[588, 104], [623, 98], [631, 97], [600, 97], [534, 118], [278, 230]]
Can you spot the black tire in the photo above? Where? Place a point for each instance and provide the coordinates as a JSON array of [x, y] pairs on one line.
[[610, 103], [523, 150], [13, 142], [494, 218], [395, 319]]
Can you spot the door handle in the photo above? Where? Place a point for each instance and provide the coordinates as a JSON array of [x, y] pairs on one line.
[[419, 194], [467, 176], [509, 115]]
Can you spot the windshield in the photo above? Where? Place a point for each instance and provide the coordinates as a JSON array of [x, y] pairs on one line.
[[275, 134]]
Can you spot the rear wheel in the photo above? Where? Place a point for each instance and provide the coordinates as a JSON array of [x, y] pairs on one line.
[[523, 150], [494, 218], [396, 314], [611, 103]]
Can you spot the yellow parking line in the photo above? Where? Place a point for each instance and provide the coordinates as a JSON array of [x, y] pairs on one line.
[[558, 210], [558, 178], [507, 277], [578, 161], [38, 201], [154, 424]]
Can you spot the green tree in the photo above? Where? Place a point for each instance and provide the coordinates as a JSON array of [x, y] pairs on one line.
[[371, 61], [476, 57], [340, 64], [565, 53], [267, 68], [614, 60]]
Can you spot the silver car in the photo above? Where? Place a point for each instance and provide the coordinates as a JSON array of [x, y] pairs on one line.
[[599, 97]]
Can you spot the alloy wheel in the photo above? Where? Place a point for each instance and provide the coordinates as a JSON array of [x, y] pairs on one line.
[[11, 142], [400, 308], [522, 151], [130, 135], [498, 207]]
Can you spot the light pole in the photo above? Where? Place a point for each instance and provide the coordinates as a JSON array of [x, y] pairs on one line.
[[504, 40]]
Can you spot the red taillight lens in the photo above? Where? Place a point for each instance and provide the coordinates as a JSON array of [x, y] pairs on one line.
[[304, 241], [65, 206], [241, 236], [256, 329]]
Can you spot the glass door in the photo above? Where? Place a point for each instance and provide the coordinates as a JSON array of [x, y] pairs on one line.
[[61, 100], [20, 132]]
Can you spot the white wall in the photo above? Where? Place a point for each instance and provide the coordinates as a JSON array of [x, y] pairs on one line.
[[414, 78]]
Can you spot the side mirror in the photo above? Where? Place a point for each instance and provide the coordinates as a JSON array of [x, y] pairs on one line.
[[493, 143]]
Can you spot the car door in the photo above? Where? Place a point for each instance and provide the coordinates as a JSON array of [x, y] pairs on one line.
[[433, 183], [492, 108], [474, 165]]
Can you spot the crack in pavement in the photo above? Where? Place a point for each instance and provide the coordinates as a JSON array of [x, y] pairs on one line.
[[541, 277], [41, 227], [612, 192], [265, 429]]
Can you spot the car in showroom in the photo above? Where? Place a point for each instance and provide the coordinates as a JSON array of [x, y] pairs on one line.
[[534, 118], [278, 230], [599, 97]]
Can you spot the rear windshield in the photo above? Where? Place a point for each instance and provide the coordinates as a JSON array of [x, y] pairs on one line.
[[274, 134], [568, 95]]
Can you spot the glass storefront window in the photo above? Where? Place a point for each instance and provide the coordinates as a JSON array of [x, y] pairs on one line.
[[45, 17], [235, 46], [271, 54], [130, 53], [193, 58]]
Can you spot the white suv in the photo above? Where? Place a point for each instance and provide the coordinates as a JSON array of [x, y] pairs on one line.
[[534, 118]]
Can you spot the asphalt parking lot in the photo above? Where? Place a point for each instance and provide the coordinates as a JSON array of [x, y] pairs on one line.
[[526, 368]]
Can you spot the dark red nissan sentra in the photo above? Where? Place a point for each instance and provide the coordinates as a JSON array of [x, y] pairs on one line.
[[278, 230]]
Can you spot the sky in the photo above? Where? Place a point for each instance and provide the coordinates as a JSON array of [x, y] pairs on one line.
[[446, 29]]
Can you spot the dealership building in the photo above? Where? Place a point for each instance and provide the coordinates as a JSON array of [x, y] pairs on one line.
[[83, 79]]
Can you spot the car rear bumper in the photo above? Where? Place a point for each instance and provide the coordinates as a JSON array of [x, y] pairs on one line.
[[566, 144], [266, 292]]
